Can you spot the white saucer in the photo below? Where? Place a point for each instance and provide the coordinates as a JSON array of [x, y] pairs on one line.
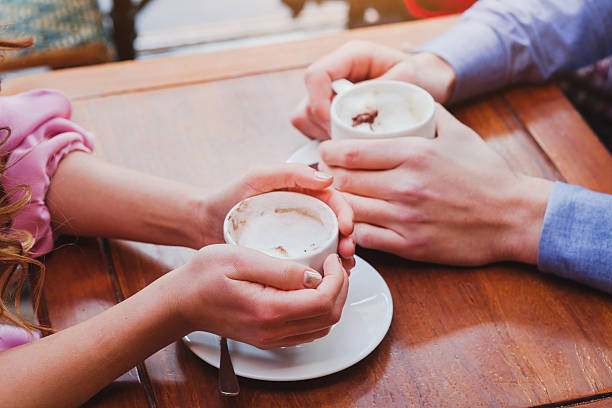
[[307, 154], [365, 321]]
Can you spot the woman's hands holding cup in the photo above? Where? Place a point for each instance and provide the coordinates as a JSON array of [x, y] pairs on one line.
[[248, 296], [291, 177], [252, 297], [361, 60]]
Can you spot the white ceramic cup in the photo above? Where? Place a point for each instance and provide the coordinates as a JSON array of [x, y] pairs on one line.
[[420, 106], [286, 225]]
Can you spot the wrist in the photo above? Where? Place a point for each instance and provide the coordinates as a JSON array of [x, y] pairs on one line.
[[434, 74], [526, 217], [166, 298], [158, 302], [198, 227]]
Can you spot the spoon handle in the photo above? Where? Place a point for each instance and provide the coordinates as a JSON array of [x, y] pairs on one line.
[[228, 383]]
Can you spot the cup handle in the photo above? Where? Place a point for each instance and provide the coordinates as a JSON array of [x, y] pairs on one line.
[[341, 85]]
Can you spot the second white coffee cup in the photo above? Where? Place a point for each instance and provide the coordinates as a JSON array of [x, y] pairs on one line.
[[381, 109]]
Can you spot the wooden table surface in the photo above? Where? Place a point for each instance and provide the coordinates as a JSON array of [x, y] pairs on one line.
[[500, 335]]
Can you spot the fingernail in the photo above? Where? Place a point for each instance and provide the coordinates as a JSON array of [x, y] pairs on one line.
[[312, 278], [322, 176]]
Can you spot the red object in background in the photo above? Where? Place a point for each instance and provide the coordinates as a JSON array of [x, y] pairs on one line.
[[433, 8]]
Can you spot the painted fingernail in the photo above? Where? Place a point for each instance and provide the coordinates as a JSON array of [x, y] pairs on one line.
[[312, 278], [322, 176]]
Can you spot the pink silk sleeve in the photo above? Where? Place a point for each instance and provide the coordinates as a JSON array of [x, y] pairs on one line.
[[12, 336], [41, 135]]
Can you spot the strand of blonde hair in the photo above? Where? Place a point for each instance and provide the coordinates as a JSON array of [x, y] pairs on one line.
[[15, 264]]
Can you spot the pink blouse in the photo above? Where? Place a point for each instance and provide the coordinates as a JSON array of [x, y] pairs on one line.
[[41, 134]]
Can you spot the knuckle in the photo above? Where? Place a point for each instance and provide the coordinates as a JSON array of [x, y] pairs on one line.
[[342, 180], [328, 302], [253, 178], [297, 120], [408, 189], [325, 153], [237, 262], [356, 45], [262, 340], [408, 216], [363, 237], [416, 245], [420, 154], [265, 315], [319, 111], [323, 306], [337, 315], [287, 276], [334, 316], [311, 73], [353, 155]]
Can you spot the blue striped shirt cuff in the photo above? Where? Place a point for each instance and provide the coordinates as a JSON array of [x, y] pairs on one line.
[[576, 240]]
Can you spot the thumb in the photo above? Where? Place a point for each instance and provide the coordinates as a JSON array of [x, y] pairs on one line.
[[285, 175], [254, 266], [449, 127], [400, 72]]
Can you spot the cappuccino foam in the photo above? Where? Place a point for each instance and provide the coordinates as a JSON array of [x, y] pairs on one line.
[[394, 111], [282, 230]]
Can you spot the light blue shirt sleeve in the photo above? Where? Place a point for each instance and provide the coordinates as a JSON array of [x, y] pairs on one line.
[[500, 42], [576, 240]]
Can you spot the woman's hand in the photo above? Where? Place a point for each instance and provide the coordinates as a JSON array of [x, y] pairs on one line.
[[292, 177], [359, 61], [449, 200], [234, 292], [248, 296]]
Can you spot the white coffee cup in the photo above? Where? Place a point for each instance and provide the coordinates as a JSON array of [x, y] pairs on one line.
[[285, 225], [401, 109]]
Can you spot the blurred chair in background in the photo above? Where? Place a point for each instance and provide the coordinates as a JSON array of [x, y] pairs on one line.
[[66, 33], [124, 26]]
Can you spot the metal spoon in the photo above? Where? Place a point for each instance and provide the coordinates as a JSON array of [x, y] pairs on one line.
[[228, 383]]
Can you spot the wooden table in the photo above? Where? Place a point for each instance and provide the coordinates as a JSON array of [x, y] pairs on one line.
[[501, 335]]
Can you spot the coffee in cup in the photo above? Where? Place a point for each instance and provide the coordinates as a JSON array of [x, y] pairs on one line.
[[381, 109], [284, 225]]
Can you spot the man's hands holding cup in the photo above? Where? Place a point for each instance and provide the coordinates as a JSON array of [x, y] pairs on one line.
[[362, 60], [449, 200]]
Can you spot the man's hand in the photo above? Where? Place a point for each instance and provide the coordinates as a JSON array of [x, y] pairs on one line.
[[362, 60], [449, 200]]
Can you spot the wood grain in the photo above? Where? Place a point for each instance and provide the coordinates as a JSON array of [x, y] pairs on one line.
[[504, 335], [78, 287], [564, 135], [131, 76]]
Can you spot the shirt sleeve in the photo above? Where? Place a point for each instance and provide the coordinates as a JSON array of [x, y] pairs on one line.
[[41, 134], [497, 42], [576, 240]]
